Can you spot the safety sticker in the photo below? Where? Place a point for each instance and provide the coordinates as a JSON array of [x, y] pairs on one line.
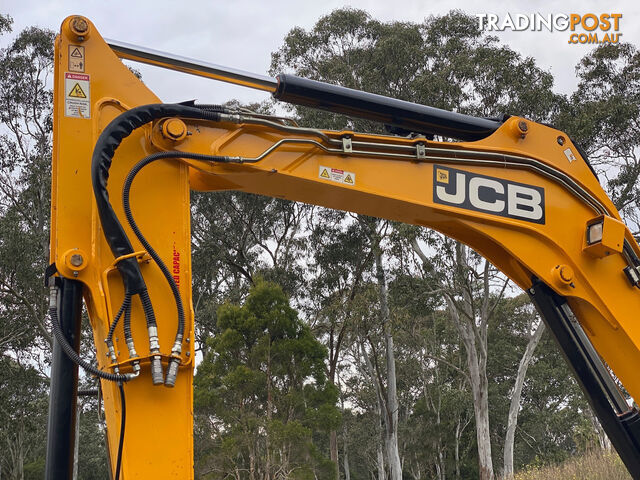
[[337, 175], [77, 100], [76, 58], [570, 156]]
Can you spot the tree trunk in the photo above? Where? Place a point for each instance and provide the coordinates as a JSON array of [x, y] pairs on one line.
[[333, 450], [457, 449], [267, 474], [391, 413], [379, 407], [380, 462], [252, 459], [483, 434], [345, 460], [514, 407]]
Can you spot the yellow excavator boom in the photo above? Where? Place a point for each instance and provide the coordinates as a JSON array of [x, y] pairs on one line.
[[516, 191]]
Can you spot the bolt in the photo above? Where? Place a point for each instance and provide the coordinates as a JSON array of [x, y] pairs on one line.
[[174, 129], [76, 260], [560, 140], [566, 273], [80, 25], [522, 125], [188, 354]]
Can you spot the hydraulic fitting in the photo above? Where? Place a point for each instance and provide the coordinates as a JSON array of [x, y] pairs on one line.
[[133, 354], [112, 355], [174, 363], [53, 296], [132, 348], [172, 372], [156, 370], [157, 375]]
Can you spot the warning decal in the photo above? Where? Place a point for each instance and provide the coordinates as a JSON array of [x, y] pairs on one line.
[[77, 101], [76, 58], [77, 92], [569, 154], [337, 175]]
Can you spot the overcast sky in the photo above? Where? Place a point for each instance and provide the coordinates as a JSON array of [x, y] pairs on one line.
[[243, 33]]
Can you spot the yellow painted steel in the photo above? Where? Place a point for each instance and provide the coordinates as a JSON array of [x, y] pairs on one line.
[[159, 420], [159, 426]]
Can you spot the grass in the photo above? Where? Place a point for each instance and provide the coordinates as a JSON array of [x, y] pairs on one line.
[[598, 465]]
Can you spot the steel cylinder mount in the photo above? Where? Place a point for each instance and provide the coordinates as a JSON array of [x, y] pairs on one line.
[[518, 127], [77, 28], [174, 129], [75, 260], [563, 276]]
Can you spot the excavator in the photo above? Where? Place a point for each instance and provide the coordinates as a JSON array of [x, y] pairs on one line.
[[520, 193]]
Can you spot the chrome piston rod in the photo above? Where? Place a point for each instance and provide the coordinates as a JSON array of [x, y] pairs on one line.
[[192, 66]]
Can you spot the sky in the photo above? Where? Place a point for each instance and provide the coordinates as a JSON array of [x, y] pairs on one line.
[[243, 33]]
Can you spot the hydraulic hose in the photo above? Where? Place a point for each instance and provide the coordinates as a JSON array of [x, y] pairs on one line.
[[123, 419], [110, 138], [126, 202], [126, 304], [127, 323], [70, 351]]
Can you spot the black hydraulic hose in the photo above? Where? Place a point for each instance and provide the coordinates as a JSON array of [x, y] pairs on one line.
[[88, 392], [73, 355], [147, 307], [126, 304], [126, 190], [109, 140], [213, 107], [127, 323], [628, 249], [123, 418]]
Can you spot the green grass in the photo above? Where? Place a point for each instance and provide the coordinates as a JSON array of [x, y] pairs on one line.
[[597, 465]]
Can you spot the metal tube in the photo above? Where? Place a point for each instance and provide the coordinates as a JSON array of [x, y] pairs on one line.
[[192, 66], [63, 397], [409, 116]]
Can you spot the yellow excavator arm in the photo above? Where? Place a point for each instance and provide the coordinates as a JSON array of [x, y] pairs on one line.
[[516, 191]]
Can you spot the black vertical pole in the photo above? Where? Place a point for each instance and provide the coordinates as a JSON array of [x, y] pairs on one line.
[[63, 393]]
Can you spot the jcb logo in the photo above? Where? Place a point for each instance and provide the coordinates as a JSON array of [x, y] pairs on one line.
[[488, 194]]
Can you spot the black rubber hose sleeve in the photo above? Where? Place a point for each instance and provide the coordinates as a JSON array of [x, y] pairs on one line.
[[109, 140]]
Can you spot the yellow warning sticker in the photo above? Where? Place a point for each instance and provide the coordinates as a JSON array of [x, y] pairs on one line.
[[337, 175], [77, 91], [77, 99], [76, 58]]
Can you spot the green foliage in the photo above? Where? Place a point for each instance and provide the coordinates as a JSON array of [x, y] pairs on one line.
[[23, 419], [263, 390], [603, 116], [25, 159]]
